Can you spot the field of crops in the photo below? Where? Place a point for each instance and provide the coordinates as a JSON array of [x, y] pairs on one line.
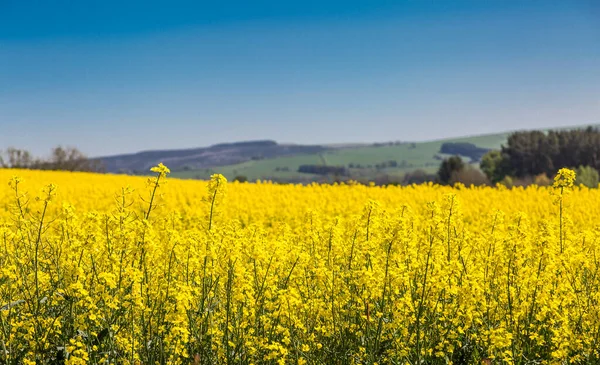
[[112, 269]]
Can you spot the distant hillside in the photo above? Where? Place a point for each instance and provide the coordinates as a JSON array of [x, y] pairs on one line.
[[362, 162], [268, 160], [205, 157]]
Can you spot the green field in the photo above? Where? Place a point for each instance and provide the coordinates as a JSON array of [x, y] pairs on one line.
[[409, 157]]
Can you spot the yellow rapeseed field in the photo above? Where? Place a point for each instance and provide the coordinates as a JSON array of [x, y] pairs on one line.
[[108, 269]]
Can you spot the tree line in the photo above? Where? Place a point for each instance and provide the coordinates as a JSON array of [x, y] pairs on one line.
[[533, 157], [535, 152], [60, 158], [323, 170]]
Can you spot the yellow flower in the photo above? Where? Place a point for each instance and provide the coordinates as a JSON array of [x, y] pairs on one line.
[[564, 178], [161, 169], [216, 181]]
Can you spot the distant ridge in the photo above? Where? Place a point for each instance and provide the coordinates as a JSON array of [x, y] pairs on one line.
[[204, 157]]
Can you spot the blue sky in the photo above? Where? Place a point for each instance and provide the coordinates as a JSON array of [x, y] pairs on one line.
[[122, 76]]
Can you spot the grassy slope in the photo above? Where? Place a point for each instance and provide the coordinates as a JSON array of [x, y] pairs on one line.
[[262, 169], [421, 156]]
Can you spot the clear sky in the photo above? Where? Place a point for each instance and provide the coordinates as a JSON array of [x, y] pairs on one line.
[[120, 76]]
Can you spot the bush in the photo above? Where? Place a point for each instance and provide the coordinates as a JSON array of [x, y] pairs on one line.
[[587, 176], [417, 177], [542, 180], [385, 179], [507, 181], [469, 176]]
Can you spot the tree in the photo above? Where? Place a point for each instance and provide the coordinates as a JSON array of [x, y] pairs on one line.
[[68, 159], [587, 176], [15, 158], [493, 166], [448, 167], [240, 178]]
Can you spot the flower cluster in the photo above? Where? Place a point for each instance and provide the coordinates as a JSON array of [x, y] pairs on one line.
[[565, 178], [161, 169]]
